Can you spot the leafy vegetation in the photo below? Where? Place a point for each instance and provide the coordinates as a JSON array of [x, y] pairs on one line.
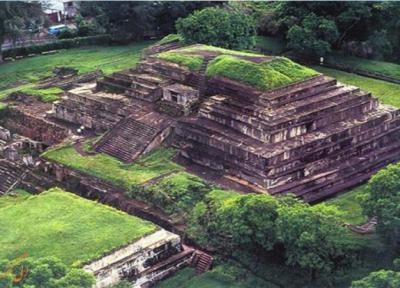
[[386, 92], [383, 201], [364, 29], [265, 76], [110, 169], [109, 59], [219, 27], [193, 62], [61, 224], [43, 272], [170, 38], [382, 278]]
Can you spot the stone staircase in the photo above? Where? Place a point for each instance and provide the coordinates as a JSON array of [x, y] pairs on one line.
[[202, 262], [10, 175], [132, 83], [127, 139], [201, 81]]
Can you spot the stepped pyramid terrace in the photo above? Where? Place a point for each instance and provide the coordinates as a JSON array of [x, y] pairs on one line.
[[263, 122]]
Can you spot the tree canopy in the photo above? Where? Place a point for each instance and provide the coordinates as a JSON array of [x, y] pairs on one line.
[[383, 201], [218, 27]]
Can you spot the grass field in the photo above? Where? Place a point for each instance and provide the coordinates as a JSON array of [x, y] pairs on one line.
[[61, 224], [107, 58], [379, 67], [105, 167], [349, 204], [222, 276], [388, 93]]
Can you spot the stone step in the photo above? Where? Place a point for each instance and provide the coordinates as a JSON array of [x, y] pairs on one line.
[[127, 140]]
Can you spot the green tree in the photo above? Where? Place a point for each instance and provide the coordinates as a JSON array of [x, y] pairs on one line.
[[383, 201], [379, 279], [218, 27], [75, 278], [249, 221], [313, 237], [314, 36]]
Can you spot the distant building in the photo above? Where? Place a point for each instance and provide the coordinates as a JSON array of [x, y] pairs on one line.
[[54, 15], [70, 8]]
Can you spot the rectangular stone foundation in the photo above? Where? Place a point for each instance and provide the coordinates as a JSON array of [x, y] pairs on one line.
[[143, 262]]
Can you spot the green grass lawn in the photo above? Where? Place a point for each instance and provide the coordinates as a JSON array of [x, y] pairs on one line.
[[349, 204], [222, 276], [107, 58], [387, 93], [379, 67], [61, 224], [105, 167]]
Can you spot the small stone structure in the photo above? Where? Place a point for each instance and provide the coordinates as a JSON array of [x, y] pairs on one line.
[[181, 96], [143, 262]]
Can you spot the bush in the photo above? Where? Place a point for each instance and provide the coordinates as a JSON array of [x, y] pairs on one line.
[[218, 27], [61, 44]]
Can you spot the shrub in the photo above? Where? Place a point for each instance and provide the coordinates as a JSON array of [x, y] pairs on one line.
[[61, 44], [218, 27]]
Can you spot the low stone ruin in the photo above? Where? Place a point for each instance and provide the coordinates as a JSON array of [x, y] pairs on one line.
[[144, 262]]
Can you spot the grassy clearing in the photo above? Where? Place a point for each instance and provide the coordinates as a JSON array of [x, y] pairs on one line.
[[265, 76], [222, 276], [193, 62], [107, 58], [387, 93], [373, 66], [110, 169], [270, 44], [61, 224], [349, 204], [45, 95]]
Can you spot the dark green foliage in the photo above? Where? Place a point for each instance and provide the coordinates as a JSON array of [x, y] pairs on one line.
[[367, 29], [218, 27], [127, 21], [379, 279], [313, 237], [45, 272], [313, 36], [249, 221], [383, 201], [61, 44]]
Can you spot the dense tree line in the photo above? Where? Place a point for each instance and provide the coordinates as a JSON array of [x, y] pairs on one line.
[[368, 29], [42, 272], [127, 21], [311, 238], [17, 17]]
